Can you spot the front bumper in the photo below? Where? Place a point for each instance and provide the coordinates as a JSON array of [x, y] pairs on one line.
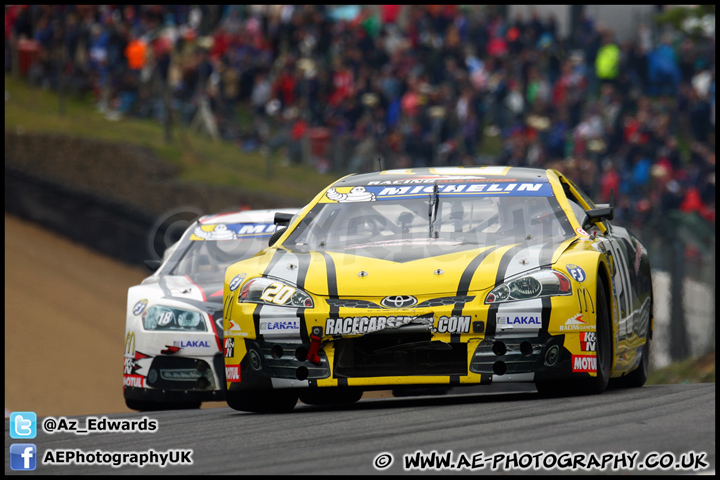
[[374, 362], [177, 379], [524, 341]]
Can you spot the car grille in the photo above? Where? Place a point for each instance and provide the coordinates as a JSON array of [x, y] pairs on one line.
[[484, 359], [180, 373], [284, 361], [402, 354]]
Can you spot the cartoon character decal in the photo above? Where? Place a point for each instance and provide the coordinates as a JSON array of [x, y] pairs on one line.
[[357, 194]]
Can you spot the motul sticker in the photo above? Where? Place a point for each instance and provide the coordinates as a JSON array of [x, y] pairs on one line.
[[232, 373], [584, 363], [133, 381]]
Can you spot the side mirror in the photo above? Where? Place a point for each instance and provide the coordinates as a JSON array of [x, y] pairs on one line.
[[153, 265], [283, 218], [602, 212]]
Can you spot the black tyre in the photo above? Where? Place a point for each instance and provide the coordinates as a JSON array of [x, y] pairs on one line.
[[599, 383], [332, 396], [274, 237], [149, 406], [263, 401]]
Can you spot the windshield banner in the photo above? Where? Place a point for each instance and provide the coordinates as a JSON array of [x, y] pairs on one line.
[[373, 193], [232, 231]]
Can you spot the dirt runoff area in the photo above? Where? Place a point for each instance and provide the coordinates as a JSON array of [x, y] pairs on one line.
[[65, 325]]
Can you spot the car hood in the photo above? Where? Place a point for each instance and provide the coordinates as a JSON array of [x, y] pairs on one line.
[[338, 274], [183, 287]]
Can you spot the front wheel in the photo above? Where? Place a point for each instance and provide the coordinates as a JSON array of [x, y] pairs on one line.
[[262, 401], [604, 355]]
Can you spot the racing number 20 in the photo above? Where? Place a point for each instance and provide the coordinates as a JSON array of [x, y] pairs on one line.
[[277, 293]]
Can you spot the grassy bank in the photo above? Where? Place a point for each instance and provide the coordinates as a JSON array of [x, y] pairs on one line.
[[692, 370], [199, 158]]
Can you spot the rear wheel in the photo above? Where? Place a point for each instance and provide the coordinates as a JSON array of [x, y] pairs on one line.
[[148, 406], [262, 401], [334, 396], [604, 355]]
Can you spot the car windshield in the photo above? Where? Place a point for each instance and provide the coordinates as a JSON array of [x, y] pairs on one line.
[[210, 249], [431, 224]]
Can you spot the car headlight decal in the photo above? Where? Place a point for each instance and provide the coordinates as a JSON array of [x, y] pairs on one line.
[[542, 283], [160, 317], [269, 291]]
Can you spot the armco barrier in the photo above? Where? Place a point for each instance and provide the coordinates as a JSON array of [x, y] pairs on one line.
[[106, 226]]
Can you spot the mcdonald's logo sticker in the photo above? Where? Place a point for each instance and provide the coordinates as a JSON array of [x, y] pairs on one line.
[[130, 344]]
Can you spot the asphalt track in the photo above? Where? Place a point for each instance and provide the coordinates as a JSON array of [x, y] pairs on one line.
[[664, 422]]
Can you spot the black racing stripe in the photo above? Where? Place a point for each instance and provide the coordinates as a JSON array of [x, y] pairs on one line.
[[332, 284], [500, 278], [491, 325], [256, 322], [546, 311], [467, 277], [334, 308], [505, 261], [342, 382], [258, 308], [469, 272], [303, 266], [454, 380]]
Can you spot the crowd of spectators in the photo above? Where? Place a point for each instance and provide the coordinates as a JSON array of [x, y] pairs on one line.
[[413, 85]]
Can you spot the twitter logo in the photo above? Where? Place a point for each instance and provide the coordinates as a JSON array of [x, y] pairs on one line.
[[23, 425]]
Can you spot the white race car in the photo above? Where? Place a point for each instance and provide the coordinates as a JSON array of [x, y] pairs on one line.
[[174, 328]]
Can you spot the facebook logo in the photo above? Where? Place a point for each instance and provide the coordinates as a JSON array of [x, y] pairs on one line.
[[23, 425], [23, 456]]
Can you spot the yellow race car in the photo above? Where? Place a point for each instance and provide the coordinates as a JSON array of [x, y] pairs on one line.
[[434, 277]]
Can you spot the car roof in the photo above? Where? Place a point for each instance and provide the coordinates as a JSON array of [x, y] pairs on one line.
[[245, 216], [430, 174]]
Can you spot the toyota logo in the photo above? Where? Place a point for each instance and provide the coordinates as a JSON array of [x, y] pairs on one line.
[[398, 301]]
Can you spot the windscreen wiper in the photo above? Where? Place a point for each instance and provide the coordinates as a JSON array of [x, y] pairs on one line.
[[432, 210]]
